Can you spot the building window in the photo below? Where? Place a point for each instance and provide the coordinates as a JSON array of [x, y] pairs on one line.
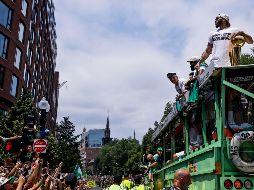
[[34, 92], [5, 16], [31, 35], [27, 78], [18, 58], [21, 31], [30, 56], [24, 74], [24, 7], [35, 75], [3, 112], [3, 46], [14, 86], [2, 71]]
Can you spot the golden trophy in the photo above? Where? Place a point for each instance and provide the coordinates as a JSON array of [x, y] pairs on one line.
[[237, 42]]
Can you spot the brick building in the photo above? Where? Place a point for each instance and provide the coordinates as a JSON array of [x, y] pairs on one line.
[[28, 53]]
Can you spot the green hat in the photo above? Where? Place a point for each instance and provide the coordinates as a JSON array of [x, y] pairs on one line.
[[159, 149]]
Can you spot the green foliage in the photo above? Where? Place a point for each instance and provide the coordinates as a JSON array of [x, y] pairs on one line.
[[64, 147], [168, 109], [119, 156], [53, 151], [14, 122], [247, 59], [147, 144]]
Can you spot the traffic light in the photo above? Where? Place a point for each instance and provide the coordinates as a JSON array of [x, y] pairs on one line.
[[11, 146], [28, 135], [8, 146]]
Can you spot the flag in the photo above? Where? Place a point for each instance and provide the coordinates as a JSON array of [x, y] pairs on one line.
[[78, 172]]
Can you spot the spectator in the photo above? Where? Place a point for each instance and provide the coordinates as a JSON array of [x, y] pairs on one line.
[[138, 183], [71, 181], [182, 180], [116, 184], [28, 154], [126, 183]]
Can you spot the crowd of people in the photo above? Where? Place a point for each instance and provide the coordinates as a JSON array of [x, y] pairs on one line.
[[34, 175]]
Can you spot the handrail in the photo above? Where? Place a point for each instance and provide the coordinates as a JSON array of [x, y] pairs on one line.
[[165, 122], [239, 89]]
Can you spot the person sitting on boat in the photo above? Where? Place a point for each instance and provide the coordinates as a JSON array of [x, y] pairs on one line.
[[236, 109]]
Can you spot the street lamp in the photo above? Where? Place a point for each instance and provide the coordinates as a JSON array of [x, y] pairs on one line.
[[44, 108]]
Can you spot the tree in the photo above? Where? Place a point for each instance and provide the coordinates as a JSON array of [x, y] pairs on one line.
[[167, 110], [16, 118], [64, 148], [119, 157], [53, 151], [147, 144], [247, 59]]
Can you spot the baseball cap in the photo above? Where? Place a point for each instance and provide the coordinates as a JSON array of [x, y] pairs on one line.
[[169, 75], [194, 58], [159, 149], [222, 15]]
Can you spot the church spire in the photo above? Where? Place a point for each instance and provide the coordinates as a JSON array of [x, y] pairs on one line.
[[106, 139]]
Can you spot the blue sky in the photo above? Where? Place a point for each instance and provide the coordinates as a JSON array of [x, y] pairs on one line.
[[115, 55]]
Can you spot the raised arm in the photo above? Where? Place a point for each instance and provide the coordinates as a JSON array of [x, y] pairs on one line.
[[205, 54], [247, 37], [21, 182], [14, 169], [33, 177]]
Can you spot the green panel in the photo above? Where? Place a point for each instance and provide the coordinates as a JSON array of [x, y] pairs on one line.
[[204, 182], [200, 182], [158, 180], [201, 164]]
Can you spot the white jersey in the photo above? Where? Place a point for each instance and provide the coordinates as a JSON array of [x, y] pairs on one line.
[[221, 46], [180, 87]]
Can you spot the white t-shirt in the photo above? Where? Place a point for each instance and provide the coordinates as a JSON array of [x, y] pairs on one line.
[[221, 43], [180, 87]]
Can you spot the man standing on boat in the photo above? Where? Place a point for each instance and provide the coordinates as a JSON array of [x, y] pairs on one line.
[[219, 42]]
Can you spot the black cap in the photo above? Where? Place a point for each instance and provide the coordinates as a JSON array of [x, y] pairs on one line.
[[170, 75]]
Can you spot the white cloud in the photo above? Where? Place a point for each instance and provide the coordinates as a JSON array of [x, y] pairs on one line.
[[115, 56]]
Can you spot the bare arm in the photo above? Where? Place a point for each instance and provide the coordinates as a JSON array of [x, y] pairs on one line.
[[247, 37], [14, 169], [205, 54], [21, 182], [32, 178], [38, 184], [47, 183], [152, 165]]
